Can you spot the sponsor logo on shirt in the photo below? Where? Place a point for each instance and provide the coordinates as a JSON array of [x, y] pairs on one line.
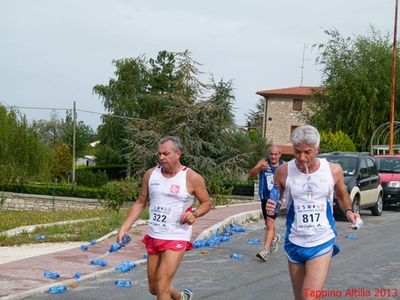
[[174, 189]]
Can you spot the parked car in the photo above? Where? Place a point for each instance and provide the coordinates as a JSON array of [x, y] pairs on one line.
[[362, 181], [389, 171]]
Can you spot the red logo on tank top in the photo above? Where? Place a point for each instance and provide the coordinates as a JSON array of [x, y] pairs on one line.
[[174, 189]]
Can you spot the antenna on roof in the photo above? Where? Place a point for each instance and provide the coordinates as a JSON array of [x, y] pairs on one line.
[[302, 65]]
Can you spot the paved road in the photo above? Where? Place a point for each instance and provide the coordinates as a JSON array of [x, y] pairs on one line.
[[366, 266]]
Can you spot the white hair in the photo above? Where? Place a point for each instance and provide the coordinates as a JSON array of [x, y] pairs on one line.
[[306, 134]]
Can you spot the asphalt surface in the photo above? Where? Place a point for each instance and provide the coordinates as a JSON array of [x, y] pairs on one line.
[[367, 267]]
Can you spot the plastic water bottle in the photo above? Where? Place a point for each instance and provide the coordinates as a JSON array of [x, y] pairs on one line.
[[357, 224], [237, 256], [351, 237], [253, 241], [98, 262], [125, 266], [77, 275], [125, 240], [51, 275], [123, 283], [274, 195], [59, 289], [84, 247]]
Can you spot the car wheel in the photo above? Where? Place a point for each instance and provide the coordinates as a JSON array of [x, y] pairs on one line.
[[378, 208], [356, 204]]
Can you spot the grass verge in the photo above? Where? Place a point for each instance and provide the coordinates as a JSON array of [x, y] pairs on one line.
[[84, 231]]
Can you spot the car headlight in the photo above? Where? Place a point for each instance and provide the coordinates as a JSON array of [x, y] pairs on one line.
[[394, 184]]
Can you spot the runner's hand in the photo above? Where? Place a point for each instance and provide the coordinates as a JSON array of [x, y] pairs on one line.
[[188, 218], [270, 206]]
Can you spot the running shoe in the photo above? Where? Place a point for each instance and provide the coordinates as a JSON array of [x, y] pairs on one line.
[[275, 244], [263, 255], [187, 294]]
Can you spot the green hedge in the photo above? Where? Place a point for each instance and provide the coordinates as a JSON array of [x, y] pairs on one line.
[[241, 188], [112, 171], [55, 190]]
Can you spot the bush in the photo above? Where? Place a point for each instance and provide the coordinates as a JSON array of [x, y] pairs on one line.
[[62, 190], [92, 179], [120, 192], [336, 141], [112, 171], [218, 189]]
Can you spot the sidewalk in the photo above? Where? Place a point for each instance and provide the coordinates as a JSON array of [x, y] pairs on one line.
[[19, 279]]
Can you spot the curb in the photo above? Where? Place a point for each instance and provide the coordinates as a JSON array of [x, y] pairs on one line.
[[240, 218]]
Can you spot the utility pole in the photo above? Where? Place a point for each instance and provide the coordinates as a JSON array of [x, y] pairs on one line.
[[392, 98], [73, 141], [302, 66]]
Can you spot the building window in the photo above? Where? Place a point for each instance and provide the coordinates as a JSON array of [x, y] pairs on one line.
[[297, 105], [292, 128]]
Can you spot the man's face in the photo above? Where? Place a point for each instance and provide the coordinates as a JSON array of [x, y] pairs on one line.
[[168, 155], [305, 154], [274, 155]]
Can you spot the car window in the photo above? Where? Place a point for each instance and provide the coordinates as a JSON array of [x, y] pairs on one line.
[[348, 164], [371, 167], [388, 164], [363, 168]]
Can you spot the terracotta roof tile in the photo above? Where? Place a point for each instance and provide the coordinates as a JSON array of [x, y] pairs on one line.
[[292, 91]]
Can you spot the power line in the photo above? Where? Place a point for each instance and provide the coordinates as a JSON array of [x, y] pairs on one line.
[[70, 109]]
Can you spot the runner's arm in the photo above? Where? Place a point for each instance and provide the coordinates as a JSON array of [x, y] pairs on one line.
[[197, 187], [342, 196], [137, 207]]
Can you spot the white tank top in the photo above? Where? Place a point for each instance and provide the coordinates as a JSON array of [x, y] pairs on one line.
[[310, 219], [169, 199]]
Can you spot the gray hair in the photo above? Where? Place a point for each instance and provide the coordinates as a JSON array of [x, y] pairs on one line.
[[306, 134], [174, 139]]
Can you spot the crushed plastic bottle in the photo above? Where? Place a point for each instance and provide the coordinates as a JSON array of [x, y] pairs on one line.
[[253, 241], [236, 228], [84, 247], [77, 275], [114, 247], [357, 224], [274, 195], [59, 289], [52, 275], [123, 283], [351, 237], [125, 240], [40, 237], [224, 238], [237, 256], [98, 262], [93, 243], [125, 266]]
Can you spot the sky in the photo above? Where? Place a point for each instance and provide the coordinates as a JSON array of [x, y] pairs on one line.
[[54, 52]]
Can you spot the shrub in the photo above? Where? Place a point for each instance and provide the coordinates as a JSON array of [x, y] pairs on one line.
[[336, 141], [119, 192], [218, 189], [92, 179]]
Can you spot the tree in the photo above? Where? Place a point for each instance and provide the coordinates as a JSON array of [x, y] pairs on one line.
[[355, 97], [22, 155], [164, 96], [255, 118], [62, 162]]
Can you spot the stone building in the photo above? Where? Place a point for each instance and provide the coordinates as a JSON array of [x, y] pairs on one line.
[[282, 113]]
